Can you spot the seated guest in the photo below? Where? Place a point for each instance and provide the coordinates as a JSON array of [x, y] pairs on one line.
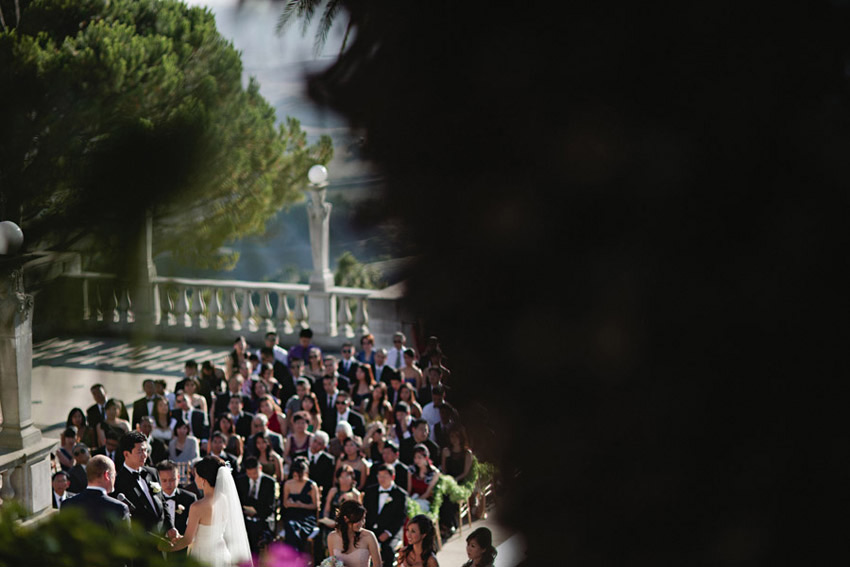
[[383, 371], [218, 444], [352, 456], [144, 405], [277, 420], [242, 419], [298, 441], [425, 393], [345, 413], [402, 423], [302, 349], [192, 389], [293, 404], [112, 422], [376, 409], [386, 511], [362, 386], [77, 474], [456, 462], [233, 443], [407, 394], [301, 503], [479, 548], [343, 432], [183, 447], [389, 456], [65, 453], [314, 368], [310, 405], [348, 364], [110, 448], [419, 435], [259, 426], [157, 450], [60, 481], [85, 433], [344, 489], [367, 350], [266, 376], [234, 390], [423, 477], [163, 427], [377, 439], [198, 421], [256, 493], [449, 418], [212, 382], [410, 372], [431, 410], [161, 389], [321, 463], [270, 462], [331, 364]]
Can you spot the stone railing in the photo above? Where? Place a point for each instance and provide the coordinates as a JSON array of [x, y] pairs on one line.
[[218, 310]]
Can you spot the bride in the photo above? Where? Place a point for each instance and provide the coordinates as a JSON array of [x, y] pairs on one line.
[[215, 528], [350, 542]]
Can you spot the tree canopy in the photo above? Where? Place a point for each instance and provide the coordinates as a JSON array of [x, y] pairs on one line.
[[110, 108]]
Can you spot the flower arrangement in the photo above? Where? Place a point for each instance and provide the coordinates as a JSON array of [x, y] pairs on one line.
[[281, 555], [331, 562]]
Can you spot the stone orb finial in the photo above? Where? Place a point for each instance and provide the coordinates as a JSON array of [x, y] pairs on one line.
[[11, 238]]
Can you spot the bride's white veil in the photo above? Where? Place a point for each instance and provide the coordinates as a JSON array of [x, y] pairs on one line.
[[229, 510]]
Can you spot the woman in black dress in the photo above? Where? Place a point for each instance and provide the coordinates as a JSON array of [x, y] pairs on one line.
[[301, 504]]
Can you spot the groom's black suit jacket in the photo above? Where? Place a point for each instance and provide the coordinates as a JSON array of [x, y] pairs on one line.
[[392, 516], [184, 498], [156, 519], [99, 508]]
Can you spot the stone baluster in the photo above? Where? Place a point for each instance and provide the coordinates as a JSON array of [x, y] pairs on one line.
[[110, 315], [302, 316], [248, 311], [199, 320], [182, 308], [345, 317], [7, 491], [124, 314], [231, 321], [167, 308], [95, 311], [361, 318], [283, 313], [266, 323], [215, 321]]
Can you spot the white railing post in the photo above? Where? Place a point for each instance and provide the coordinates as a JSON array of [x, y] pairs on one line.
[[216, 321], [183, 318], [283, 313], [231, 321], [199, 321], [267, 325], [345, 317]]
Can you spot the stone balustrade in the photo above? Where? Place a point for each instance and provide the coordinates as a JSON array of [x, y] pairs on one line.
[[215, 310]]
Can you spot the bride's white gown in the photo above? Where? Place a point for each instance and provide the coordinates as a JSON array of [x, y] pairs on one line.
[[224, 543]]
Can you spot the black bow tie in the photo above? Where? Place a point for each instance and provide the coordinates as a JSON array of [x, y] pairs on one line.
[[384, 490], [137, 475], [167, 498]]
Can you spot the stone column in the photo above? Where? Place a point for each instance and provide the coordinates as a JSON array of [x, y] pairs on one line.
[[144, 292], [24, 455], [16, 362], [322, 303]]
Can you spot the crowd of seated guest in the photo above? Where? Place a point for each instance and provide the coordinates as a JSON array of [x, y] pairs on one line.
[[303, 432]]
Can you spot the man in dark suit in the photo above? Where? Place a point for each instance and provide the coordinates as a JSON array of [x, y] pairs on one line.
[[386, 510], [390, 457], [176, 499], [61, 481], [140, 486], [217, 444], [97, 411], [327, 404], [94, 502], [112, 448], [234, 390], [241, 418], [435, 376], [420, 431], [199, 423], [144, 405], [383, 371], [256, 492], [157, 449], [347, 366], [330, 363], [77, 473], [344, 412], [321, 463], [260, 427]]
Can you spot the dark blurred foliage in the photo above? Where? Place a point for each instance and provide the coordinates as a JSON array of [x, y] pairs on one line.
[[631, 222]]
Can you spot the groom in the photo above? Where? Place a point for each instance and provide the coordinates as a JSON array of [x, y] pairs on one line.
[[386, 510], [139, 484]]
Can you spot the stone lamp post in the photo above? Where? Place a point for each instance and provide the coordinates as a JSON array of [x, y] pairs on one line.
[[24, 454], [322, 303]]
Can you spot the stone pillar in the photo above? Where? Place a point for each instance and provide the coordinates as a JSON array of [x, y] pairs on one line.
[[321, 303], [16, 362], [144, 293], [24, 455]]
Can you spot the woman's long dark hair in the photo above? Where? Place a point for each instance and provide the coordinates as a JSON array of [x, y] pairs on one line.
[[71, 413], [426, 528], [484, 537], [156, 418], [350, 512]]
